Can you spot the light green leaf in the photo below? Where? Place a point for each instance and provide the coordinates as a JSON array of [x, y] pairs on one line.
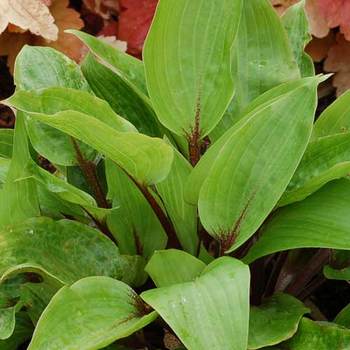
[[65, 250], [201, 170], [335, 119], [171, 266], [7, 322], [134, 224], [182, 214], [343, 318], [187, 58], [43, 67], [129, 68], [326, 159], [274, 321], [67, 192], [319, 335], [121, 96], [22, 333], [73, 319], [261, 58], [6, 143], [4, 168], [18, 196], [146, 159], [245, 182], [58, 99], [40, 67], [319, 221], [296, 24], [212, 312]]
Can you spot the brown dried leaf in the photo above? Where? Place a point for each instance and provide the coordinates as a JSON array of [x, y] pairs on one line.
[[32, 15], [338, 61], [318, 47]]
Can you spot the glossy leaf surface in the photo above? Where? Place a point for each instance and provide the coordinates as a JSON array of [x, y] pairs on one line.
[[212, 311], [191, 85], [73, 319]]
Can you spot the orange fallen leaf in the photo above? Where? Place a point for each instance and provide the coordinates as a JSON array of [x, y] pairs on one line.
[[13, 39], [338, 61]]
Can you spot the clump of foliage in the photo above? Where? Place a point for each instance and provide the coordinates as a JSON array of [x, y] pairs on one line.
[[189, 196]]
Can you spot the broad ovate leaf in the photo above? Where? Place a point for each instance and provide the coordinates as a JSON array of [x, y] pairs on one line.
[[274, 321], [323, 216], [65, 250], [211, 312], [190, 83], [148, 160], [254, 165], [171, 266], [39, 68], [42, 67], [90, 314]]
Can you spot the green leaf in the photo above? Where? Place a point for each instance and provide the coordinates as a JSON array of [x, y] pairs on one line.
[[134, 224], [4, 168], [201, 170], [7, 322], [57, 99], [335, 119], [129, 68], [191, 85], [6, 143], [18, 196], [339, 267], [22, 333], [121, 96], [323, 216], [41, 67], [212, 312], [65, 250], [52, 144], [261, 58], [73, 319], [244, 182], [319, 335], [171, 266], [343, 318], [274, 321], [67, 192], [296, 24], [182, 214], [326, 159], [148, 160]]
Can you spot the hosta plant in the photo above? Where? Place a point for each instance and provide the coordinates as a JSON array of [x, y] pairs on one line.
[[186, 201]]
